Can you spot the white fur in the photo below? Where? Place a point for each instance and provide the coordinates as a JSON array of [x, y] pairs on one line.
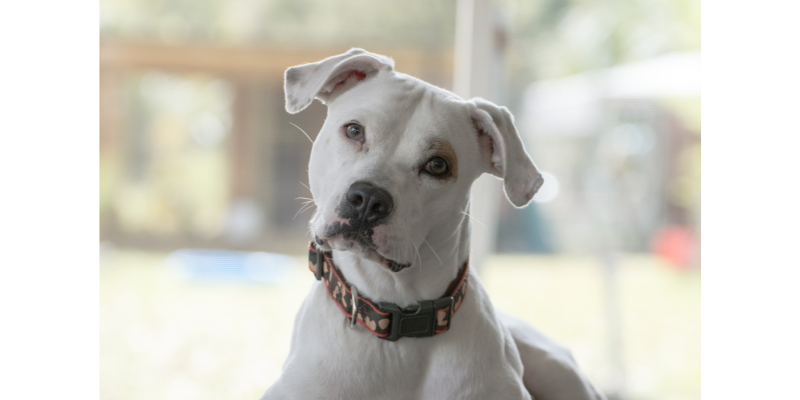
[[428, 228]]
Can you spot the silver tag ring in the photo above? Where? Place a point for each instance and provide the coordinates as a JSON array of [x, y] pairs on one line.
[[354, 305]]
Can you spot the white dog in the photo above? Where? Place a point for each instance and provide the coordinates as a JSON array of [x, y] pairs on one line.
[[399, 314]]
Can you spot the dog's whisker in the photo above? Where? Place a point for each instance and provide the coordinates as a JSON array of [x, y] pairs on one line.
[[474, 219], [412, 248], [349, 257], [298, 213], [305, 186], [306, 206], [317, 202], [418, 255], [310, 202], [304, 133], [434, 251]]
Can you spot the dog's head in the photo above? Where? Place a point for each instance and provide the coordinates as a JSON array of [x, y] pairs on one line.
[[396, 157]]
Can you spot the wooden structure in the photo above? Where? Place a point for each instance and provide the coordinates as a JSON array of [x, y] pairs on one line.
[[265, 152]]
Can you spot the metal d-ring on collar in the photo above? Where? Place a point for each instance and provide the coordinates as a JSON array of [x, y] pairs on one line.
[[354, 306]]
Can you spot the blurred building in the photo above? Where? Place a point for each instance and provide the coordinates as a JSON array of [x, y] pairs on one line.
[[621, 149], [196, 149]]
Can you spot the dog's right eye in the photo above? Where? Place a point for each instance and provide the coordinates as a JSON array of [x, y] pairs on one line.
[[354, 131]]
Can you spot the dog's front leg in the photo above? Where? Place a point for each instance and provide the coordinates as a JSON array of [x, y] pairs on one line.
[[550, 372]]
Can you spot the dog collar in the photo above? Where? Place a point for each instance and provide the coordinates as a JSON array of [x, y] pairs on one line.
[[387, 320]]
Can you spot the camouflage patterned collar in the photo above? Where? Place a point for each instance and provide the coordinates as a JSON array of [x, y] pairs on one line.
[[387, 320]]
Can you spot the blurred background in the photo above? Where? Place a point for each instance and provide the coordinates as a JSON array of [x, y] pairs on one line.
[[203, 179]]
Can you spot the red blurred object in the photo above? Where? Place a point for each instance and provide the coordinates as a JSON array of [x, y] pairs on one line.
[[676, 244]]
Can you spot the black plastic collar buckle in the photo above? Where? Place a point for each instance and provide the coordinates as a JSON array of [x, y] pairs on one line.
[[318, 258], [416, 320]]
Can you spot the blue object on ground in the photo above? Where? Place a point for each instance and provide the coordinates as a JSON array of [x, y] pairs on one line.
[[231, 266]]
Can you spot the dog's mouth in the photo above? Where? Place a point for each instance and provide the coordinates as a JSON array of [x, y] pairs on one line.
[[344, 237], [393, 265]]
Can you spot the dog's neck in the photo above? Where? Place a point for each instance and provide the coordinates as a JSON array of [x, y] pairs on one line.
[[441, 255]]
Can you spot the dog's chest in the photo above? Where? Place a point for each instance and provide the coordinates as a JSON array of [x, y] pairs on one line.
[[330, 360]]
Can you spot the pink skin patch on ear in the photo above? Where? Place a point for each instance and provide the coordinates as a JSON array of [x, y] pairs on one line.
[[358, 75]]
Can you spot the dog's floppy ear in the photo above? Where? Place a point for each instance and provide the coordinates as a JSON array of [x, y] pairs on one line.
[[330, 77], [501, 144]]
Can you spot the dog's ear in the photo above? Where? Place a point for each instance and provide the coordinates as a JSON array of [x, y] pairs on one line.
[[501, 145], [330, 77]]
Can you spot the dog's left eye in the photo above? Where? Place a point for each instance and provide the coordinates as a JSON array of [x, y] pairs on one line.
[[437, 166], [354, 131]]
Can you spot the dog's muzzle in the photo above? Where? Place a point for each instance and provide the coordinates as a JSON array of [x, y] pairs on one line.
[[363, 207]]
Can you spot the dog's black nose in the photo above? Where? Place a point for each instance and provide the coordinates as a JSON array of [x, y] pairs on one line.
[[369, 202]]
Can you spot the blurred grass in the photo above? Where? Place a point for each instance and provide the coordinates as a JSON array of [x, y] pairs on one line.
[[659, 317], [164, 338]]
